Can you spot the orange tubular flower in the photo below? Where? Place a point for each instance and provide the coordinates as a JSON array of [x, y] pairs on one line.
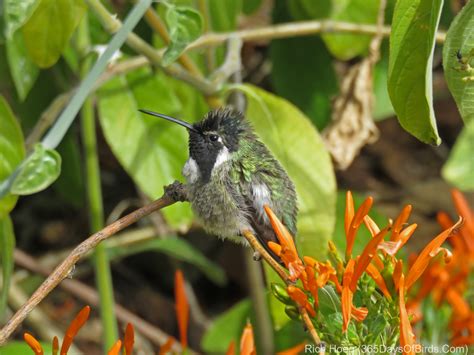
[[129, 339], [430, 251], [33, 344], [115, 349], [287, 249], [460, 306], [377, 277], [166, 347], [247, 343], [231, 348], [359, 314], [346, 297], [295, 350], [55, 345], [76, 324], [399, 222], [182, 307], [353, 221], [462, 207], [407, 338], [301, 299], [366, 257]]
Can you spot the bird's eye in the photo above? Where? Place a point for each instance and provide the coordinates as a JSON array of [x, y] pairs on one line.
[[213, 137]]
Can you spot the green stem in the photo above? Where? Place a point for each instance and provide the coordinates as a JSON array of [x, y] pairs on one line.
[[94, 194]]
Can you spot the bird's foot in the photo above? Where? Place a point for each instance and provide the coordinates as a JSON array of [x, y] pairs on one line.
[[257, 256], [177, 191]]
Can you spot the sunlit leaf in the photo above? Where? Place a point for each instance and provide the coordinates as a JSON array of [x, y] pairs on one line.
[[49, 29], [412, 43], [20, 347], [16, 13], [184, 25], [459, 169], [7, 246], [23, 71], [347, 46], [39, 171], [12, 151], [151, 150], [460, 41], [226, 328]]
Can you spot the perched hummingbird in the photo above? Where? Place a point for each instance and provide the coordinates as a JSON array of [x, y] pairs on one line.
[[231, 175]]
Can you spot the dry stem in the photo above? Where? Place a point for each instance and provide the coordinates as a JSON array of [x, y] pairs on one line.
[[173, 193]]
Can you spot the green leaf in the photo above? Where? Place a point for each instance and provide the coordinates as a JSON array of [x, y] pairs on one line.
[[12, 151], [7, 246], [383, 106], [151, 150], [23, 71], [16, 13], [294, 141], [185, 25], [49, 29], [310, 9], [460, 38], [22, 348], [459, 169], [178, 248], [224, 14], [348, 46], [226, 328], [250, 6], [412, 43], [310, 90], [39, 171]]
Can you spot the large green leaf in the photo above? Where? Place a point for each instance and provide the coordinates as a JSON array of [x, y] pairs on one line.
[[223, 14], [309, 9], [7, 246], [294, 141], [412, 43], [39, 171], [49, 29], [185, 25], [226, 328], [347, 46], [16, 13], [152, 151], [179, 249], [459, 169], [460, 40], [12, 151], [383, 106], [22, 69]]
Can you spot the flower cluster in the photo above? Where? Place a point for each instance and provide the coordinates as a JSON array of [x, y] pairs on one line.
[[372, 287]]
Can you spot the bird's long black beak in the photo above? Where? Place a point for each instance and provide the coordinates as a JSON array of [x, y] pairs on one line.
[[172, 119]]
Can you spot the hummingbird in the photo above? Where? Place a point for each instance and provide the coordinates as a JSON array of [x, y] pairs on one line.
[[230, 176]]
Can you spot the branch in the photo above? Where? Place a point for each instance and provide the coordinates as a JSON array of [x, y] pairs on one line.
[[295, 29], [173, 193], [90, 296]]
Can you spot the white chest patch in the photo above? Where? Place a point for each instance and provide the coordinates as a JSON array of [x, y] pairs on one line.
[[261, 196], [191, 170], [222, 157]]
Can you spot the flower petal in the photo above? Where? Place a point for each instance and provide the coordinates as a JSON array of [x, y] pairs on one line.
[[33, 344], [422, 261], [360, 313], [129, 339], [74, 327], [295, 350], [166, 347], [231, 348], [247, 343], [358, 218], [347, 295], [182, 307], [115, 349], [371, 226], [284, 237], [349, 213], [377, 277], [406, 333], [399, 222]]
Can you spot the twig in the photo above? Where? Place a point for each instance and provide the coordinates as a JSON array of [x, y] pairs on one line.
[[294, 29], [173, 193], [231, 63], [268, 258], [90, 296]]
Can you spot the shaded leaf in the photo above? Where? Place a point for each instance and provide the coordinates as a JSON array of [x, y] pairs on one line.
[[13, 151], [39, 171], [250, 6], [151, 150], [49, 29], [460, 37], [412, 43], [20, 347], [185, 25], [226, 328], [348, 46], [23, 71], [382, 106], [16, 13], [223, 14], [7, 246], [178, 248], [310, 9], [459, 169]]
